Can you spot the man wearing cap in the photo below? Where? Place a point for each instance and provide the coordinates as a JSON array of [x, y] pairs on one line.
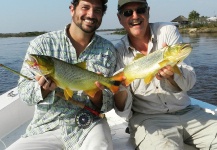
[[162, 115], [58, 124]]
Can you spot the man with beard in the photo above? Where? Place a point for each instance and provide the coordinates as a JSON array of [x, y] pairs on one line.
[[162, 115], [58, 124]]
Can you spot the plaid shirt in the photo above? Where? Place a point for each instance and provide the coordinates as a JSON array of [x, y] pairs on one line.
[[53, 112]]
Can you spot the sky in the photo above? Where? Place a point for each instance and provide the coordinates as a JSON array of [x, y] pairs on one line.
[[49, 15]]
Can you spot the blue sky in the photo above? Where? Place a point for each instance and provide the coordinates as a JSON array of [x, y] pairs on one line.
[[48, 15]]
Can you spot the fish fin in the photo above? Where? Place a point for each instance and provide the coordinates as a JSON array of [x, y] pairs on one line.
[[139, 55], [92, 92], [68, 93], [177, 70], [163, 63], [114, 88], [148, 78], [82, 65], [127, 82], [118, 77]]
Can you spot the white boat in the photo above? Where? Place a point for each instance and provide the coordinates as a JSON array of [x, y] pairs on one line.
[[15, 116]]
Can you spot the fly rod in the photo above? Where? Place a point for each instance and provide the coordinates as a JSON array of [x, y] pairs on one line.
[[15, 72]]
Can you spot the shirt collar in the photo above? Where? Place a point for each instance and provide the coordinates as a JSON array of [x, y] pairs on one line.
[[66, 33]]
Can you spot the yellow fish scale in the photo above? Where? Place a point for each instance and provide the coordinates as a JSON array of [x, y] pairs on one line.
[[76, 78], [72, 77], [146, 67]]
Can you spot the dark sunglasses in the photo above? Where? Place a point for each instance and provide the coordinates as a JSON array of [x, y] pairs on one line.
[[129, 12]]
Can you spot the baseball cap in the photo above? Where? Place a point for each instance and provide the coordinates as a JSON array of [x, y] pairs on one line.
[[104, 1], [123, 2]]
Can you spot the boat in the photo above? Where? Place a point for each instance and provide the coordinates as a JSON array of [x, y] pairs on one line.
[[16, 115]]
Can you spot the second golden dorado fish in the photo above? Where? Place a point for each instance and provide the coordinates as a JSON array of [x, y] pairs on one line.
[[146, 67], [72, 77]]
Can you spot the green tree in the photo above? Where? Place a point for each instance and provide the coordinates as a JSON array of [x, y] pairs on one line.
[[193, 16]]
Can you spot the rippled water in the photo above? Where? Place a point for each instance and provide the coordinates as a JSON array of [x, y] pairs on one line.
[[12, 52], [203, 58]]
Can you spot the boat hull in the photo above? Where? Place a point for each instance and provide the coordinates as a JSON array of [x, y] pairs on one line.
[[15, 116]]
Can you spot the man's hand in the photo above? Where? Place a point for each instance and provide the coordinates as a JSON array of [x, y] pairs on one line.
[[97, 99], [121, 96], [46, 84], [165, 72]]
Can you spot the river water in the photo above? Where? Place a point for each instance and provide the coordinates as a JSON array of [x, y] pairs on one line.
[[203, 58]]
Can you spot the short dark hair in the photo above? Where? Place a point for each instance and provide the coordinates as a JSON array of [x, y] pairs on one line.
[[104, 6]]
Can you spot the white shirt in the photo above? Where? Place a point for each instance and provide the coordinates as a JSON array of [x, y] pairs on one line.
[[159, 96]]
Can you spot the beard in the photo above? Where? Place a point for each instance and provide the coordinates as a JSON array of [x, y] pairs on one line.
[[86, 24]]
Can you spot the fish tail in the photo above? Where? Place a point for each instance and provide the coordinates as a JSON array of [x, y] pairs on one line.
[[116, 80]]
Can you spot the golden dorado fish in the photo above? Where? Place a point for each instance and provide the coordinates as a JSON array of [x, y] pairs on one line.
[[147, 67], [72, 77]]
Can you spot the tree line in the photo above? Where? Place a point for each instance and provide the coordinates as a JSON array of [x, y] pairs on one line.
[[22, 34], [200, 21]]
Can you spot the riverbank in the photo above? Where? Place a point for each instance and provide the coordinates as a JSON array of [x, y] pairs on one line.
[[198, 30], [119, 31], [182, 30], [21, 34]]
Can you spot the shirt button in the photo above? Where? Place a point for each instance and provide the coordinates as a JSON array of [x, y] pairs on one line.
[[165, 103], [157, 87]]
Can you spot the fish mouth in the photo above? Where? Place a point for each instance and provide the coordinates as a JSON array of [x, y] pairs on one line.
[[32, 61], [39, 64], [185, 50], [186, 46], [33, 64]]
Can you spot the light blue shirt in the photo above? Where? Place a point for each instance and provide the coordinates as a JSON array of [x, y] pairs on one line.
[[53, 111]]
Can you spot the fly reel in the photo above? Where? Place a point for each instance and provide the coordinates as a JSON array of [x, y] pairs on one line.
[[83, 119]]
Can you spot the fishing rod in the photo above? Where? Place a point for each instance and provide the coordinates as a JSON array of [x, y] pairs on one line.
[[81, 105], [1, 65]]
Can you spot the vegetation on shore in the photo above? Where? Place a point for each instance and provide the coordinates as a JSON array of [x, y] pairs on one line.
[[196, 28], [205, 27], [21, 34], [120, 31]]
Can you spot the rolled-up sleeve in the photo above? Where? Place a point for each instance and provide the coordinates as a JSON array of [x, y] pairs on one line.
[[185, 81], [30, 90], [127, 112]]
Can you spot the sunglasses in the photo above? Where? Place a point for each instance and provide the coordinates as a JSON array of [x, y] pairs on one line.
[[129, 12]]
